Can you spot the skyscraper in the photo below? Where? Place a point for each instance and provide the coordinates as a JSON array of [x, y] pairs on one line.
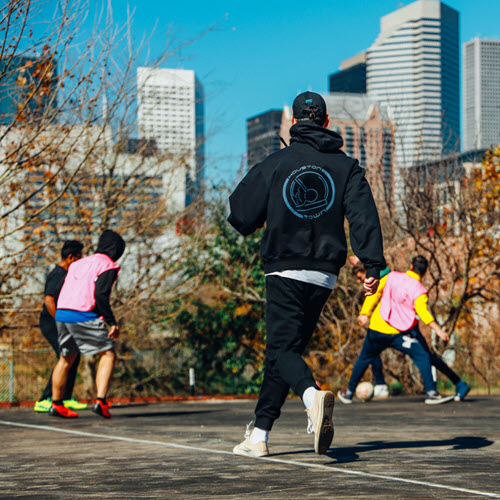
[[414, 66], [351, 77], [170, 111], [263, 135], [481, 99], [27, 89]]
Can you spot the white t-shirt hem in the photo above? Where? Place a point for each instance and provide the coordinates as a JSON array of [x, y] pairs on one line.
[[318, 278]]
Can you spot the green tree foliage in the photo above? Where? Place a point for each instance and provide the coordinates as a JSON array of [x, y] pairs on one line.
[[222, 320]]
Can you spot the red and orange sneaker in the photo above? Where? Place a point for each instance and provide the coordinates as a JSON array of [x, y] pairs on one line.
[[101, 409], [62, 411]]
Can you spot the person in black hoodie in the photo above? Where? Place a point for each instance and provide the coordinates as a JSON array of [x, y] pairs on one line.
[[83, 311], [302, 194]]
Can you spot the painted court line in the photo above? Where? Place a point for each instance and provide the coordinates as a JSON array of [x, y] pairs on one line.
[[267, 459]]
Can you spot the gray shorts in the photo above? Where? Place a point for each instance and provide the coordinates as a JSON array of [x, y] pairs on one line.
[[88, 337]]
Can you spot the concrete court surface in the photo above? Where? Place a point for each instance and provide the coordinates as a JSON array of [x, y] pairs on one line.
[[397, 448]]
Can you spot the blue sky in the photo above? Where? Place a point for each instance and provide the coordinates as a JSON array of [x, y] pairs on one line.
[[264, 52]]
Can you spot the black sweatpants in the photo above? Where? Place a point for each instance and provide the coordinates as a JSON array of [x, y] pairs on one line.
[[436, 360], [49, 331], [292, 311]]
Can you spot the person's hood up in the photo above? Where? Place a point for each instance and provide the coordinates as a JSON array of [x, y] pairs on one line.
[[111, 244], [321, 138]]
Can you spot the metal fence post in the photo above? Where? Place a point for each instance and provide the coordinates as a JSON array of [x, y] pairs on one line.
[[11, 377], [191, 381]]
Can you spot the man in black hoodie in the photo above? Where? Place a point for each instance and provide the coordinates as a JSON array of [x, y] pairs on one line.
[[303, 193], [83, 310]]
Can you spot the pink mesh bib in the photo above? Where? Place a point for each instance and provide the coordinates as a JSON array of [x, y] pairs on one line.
[[397, 306], [78, 290]]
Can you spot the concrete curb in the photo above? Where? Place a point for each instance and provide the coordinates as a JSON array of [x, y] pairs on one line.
[[152, 399]]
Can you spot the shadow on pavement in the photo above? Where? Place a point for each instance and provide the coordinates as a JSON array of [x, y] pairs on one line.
[[351, 454], [155, 414]]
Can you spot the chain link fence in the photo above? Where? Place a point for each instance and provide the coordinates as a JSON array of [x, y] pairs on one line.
[[24, 372], [163, 370], [6, 375]]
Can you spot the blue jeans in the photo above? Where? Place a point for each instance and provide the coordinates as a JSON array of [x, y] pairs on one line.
[[376, 342], [377, 371]]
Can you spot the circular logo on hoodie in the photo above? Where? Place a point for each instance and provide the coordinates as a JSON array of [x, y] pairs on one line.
[[309, 192]]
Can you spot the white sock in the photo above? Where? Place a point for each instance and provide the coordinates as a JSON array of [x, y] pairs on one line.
[[258, 435], [308, 397]]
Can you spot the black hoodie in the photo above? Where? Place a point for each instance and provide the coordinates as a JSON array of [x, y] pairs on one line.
[[303, 193], [112, 245]]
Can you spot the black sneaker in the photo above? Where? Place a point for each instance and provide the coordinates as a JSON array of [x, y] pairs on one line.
[[437, 399]]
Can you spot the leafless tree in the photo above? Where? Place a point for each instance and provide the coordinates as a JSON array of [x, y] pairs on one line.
[[71, 164]]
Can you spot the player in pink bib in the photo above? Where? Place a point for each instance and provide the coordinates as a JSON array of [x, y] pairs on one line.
[[399, 299], [83, 311], [389, 315]]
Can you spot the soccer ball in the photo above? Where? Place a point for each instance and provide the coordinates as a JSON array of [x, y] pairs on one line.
[[364, 391]]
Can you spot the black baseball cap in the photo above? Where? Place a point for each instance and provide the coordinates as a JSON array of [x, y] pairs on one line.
[[304, 102]]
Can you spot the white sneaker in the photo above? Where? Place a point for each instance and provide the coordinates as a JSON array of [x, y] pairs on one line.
[[320, 421], [381, 392], [437, 399], [344, 396], [249, 449]]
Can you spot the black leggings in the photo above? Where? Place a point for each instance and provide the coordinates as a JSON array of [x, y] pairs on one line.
[[49, 331], [436, 360]]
